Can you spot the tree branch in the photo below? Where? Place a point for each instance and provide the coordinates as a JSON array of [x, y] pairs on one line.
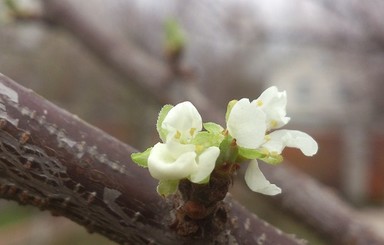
[[51, 159]]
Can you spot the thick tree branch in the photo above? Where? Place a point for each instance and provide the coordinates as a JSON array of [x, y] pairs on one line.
[[51, 159]]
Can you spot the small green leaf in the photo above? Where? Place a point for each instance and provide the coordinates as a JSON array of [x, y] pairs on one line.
[[252, 153], [162, 114], [213, 128], [229, 108], [167, 187], [205, 139], [273, 158], [202, 139], [141, 158]]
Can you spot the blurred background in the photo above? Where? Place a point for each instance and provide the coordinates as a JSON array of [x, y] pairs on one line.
[[327, 55]]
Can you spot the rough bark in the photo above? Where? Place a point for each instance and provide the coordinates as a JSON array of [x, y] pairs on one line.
[[51, 159]]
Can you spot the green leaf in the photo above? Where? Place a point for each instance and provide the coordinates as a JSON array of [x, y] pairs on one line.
[[141, 158], [252, 153], [162, 114], [273, 158], [229, 108], [262, 154], [202, 138], [205, 139], [167, 187], [213, 127]]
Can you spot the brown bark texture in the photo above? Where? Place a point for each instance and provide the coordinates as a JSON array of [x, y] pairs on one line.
[[51, 159]]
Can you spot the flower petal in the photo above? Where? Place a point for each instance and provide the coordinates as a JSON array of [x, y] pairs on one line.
[[183, 119], [205, 164], [171, 163], [257, 182], [175, 148], [246, 123], [279, 139], [274, 104]]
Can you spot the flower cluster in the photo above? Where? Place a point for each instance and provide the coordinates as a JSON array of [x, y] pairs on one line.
[[189, 152]]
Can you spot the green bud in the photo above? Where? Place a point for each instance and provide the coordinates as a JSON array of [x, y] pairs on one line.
[[228, 150], [174, 36]]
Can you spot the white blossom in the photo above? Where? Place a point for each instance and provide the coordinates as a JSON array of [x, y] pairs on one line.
[[177, 158], [274, 104], [175, 161], [172, 161], [182, 122], [250, 123]]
